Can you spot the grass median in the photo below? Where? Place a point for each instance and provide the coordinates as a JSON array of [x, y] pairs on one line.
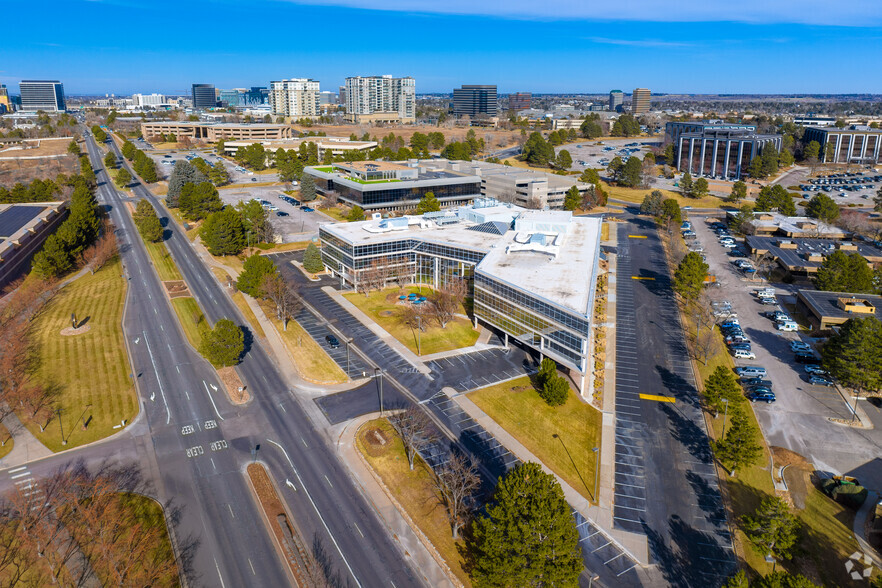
[[192, 320], [413, 490], [383, 308], [89, 372], [163, 261], [561, 437]]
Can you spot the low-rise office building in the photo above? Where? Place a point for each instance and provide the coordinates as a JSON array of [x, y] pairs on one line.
[[717, 150], [533, 274], [521, 186], [386, 185], [212, 132], [853, 144], [803, 256], [830, 309], [772, 223], [23, 228]]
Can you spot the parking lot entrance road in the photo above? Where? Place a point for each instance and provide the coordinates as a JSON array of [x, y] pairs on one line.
[[665, 481]]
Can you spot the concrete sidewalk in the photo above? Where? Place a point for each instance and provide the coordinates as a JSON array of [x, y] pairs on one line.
[[425, 560], [26, 448]]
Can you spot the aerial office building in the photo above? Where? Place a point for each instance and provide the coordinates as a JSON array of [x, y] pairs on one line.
[[520, 101], [853, 144], [204, 96], [475, 101], [717, 149], [616, 99], [5, 104], [295, 97], [640, 101], [387, 185], [142, 100], [519, 264], [46, 95], [380, 99]]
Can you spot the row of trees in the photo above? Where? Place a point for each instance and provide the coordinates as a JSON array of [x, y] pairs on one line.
[[693, 188], [775, 198], [847, 272], [143, 165], [665, 210], [37, 191], [79, 230], [147, 222], [82, 529], [218, 174]]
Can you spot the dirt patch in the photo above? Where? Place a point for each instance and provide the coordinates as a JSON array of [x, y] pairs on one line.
[[288, 538], [176, 289], [376, 441], [70, 331], [797, 476], [386, 313], [236, 391]]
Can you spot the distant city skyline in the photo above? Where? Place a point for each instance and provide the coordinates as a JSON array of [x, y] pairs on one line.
[[690, 47]]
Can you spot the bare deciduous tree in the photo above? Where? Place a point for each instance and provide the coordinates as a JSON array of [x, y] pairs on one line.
[[415, 429], [103, 250], [448, 300], [456, 482], [283, 295]]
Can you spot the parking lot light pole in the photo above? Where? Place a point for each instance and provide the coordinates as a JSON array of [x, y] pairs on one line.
[[378, 373], [348, 342], [596, 451], [419, 333]]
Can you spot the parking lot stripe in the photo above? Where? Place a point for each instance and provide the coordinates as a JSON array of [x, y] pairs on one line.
[[637, 236], [657, 398]]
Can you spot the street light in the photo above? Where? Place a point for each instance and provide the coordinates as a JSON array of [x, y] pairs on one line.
[[60, 426], [378, 373], [725, 412], [591, 580], [419, 332], [348, 343], [596, 451]]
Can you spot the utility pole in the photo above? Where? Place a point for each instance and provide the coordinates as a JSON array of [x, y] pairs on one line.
[[60, 426], [378, 373], [596, 451], [419, 334]]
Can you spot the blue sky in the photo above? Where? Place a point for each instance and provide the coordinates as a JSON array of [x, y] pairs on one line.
[[671, 46]]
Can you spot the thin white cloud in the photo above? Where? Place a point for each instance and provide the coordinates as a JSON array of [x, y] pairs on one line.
[[819, 12], [638, 42]]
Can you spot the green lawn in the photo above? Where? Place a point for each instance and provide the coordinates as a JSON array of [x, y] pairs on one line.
[[311, 361], [7, 440], [459, 332], [163, 262], [90, 372], [637, 194], [414, 491], [336, 213], [192, 320], [517, 408]]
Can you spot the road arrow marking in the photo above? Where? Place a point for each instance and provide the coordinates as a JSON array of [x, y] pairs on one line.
[[291, 484]]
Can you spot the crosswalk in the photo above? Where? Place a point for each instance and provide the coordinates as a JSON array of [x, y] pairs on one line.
[[27, 486]]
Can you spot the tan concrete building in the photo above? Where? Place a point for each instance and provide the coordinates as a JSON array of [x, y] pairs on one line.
[[212, 132], [380, 99], [337, 145], [640, 100], [297, 97]]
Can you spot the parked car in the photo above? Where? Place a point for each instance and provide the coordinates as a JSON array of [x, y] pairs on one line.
[[750, 371], [332, 341], [743, 354], [800, 346], [815, 370], [820, 380], [787, 326], [307, 209], [756, 381], [741, 346], [807, 358], [768, 397], [281, 213]]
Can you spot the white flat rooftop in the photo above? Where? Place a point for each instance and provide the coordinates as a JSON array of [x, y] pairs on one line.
[[454, 234], [565, 280]]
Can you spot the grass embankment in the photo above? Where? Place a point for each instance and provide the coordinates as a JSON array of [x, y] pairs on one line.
[[827, 526], [8, 442], [604, 231], [336, 213], [89, 372], [163, 262], [517, 408], [636, 195], [414, 490], [191, 230], [192, 320], [383, 307], [310, 360]]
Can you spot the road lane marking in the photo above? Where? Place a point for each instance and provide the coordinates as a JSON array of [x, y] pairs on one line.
[[357, 529], [158, 380], [657, 398], [231, 511], [20, 475], [212, 401], [13, 470], [329, 482], [321, 518]]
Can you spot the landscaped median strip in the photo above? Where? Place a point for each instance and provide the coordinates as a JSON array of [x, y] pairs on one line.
[[657, 398]]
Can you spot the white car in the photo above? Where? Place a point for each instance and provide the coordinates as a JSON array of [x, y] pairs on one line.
[[799, 346], [744, 354]]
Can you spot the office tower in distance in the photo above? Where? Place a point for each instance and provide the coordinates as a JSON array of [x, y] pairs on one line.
[[380, 99], [295, 97], [5, 105], [46, 95], [640, 100], [204, 96], [616, 99], [142, 100], [520, 101], [475, 101]]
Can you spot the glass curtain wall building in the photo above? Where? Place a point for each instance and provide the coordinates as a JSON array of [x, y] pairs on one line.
[[532, 274]]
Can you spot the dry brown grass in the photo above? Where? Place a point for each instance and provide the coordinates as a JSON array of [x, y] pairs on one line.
[[491, 137]]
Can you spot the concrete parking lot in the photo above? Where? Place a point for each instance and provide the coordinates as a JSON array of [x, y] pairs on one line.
[[591, 153], [297, 226], [800, 418]]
